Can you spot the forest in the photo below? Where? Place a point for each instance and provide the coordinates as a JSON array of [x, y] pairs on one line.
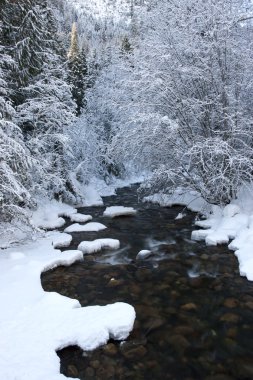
[[166, 88]]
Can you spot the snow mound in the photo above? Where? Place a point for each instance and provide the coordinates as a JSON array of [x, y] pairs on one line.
[[144, 254], [89, 227], [114, 211], [80, 218], [91, 196], [180, 197], [62, 240], [49, 214], [35, 324], [97, 245]]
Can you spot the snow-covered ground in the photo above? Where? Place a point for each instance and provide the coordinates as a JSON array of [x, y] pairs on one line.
[[232, 224], [34, 324]]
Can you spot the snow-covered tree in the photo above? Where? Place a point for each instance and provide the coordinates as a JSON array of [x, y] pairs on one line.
[[15, 159], [46, 115], [78, 70], [195, 68]]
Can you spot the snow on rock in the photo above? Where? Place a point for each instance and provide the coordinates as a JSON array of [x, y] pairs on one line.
[[180, 215], [34, 324], [62, 240], [80, 218], [114, 211], [180, 197], [49, 214], [144, 254], [89, 227], [97, 245]]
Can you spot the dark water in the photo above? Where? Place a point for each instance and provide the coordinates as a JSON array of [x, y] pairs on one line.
[[194, 311]]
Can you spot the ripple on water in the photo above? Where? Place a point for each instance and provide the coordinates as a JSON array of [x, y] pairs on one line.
[[194, 311]]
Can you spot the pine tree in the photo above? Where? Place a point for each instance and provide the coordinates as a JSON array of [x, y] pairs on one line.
[[78, 70]]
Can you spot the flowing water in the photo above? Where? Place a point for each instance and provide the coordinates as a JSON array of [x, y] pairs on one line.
[[194, 311]]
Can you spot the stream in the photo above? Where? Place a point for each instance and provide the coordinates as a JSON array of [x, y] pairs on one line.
[[194, 311]]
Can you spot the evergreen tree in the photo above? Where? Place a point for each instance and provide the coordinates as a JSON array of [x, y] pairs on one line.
[[78, 70]]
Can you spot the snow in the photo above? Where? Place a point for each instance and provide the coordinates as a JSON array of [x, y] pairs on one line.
[[62, 240], [34, 324], [233, 225], [80, 218], [144, 254], [91, 196], [97, 245], [114, 211], [180, 215], [89, 227], [180, 197], [49, 214]]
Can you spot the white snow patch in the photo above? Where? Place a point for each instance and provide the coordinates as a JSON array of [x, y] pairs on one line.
[[62, 240], [180, 197], [114, 211], [233, 222], [144, 254], [89, 227], [180, 215], [34, 324], [80, 218], [91, 196], [49, 214], [97, 245]]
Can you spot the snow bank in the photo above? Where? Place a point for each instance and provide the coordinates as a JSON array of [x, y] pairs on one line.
[[89, 227], [97, 245], [189, 198], [34, 324], [80, 218], [114, 211], [49, 214], [233, 222]]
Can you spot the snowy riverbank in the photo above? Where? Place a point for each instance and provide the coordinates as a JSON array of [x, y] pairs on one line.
[[34, 324], [232, 224]]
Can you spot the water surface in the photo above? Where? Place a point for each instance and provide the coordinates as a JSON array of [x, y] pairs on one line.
[[194, 311]]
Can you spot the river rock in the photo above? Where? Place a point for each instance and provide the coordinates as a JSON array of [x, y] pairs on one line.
[[249, 305], [189, 306], [110, 349], [184, 330], [154, 323], [132, 352], [231, 303], [232, 332], [179, 343], [95, 364], [230, 317], [89, 373], [72, 371]]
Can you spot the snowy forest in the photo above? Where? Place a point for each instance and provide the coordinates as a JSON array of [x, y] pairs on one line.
[[126, 180], [163, 87]]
